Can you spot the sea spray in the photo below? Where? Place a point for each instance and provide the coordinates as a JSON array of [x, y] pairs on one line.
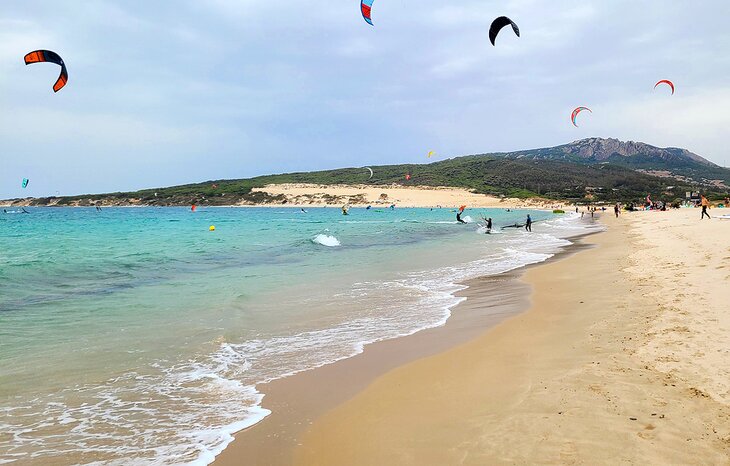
[[326, 240]]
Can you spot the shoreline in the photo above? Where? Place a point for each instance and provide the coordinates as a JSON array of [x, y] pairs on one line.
[[296, 401], [610, 364]]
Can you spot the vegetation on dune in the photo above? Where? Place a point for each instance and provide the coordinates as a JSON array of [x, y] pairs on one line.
[[589, 170], [487, 174]]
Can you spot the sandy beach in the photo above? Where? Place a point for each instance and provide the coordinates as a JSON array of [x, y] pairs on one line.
[[621, 356], [401, 196]]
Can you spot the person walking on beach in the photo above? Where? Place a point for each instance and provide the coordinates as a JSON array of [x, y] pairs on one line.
[[616, 209], [705, 205], [528, 223]]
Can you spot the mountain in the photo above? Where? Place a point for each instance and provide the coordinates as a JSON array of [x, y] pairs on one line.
[[587, 170], [680, 164]]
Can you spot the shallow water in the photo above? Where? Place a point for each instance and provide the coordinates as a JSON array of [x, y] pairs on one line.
[[136, 334]]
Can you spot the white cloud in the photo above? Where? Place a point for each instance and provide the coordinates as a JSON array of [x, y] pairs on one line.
[[222, 88]]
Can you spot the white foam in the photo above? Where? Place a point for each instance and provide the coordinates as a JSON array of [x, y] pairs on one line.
[[187, 412], [326, 240]]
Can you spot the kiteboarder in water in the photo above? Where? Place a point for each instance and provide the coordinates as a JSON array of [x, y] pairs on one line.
[[458, 214]]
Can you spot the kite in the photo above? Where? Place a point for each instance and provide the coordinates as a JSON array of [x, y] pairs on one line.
[[665, 81], [408, 177], [25, 182], [365, 7], [370, 170], [575, 113], [193, 207], [462, 208], [430, 154], [497, 26], [39, 56]]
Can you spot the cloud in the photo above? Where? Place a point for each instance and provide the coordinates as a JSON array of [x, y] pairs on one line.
[[170, 92]]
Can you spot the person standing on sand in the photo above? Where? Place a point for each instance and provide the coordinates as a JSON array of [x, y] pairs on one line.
[[705, 206], [528, 224], [616, 209]]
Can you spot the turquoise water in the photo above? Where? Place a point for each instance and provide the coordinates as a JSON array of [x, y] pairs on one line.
[[136, 333]]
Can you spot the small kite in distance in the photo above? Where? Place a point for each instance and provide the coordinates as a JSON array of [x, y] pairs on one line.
[[370, 170], [575, 113], [25, 182], [430, 154], [366, 6], [408, 177], [497, 26], [667, 82], [40, 56]]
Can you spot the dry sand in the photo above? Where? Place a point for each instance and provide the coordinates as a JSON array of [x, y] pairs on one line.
[[361, 195], [623, 357]]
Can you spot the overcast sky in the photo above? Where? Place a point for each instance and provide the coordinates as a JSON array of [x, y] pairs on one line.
[[170, 92]]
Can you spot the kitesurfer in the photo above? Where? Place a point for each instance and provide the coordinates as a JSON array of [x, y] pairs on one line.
[[528, 224], [488, 224], [458, 217]]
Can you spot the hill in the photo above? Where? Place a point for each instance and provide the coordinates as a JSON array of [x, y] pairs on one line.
[[673, 162], [588, 170]]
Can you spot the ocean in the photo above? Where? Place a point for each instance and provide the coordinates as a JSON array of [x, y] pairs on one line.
[[137, 335]]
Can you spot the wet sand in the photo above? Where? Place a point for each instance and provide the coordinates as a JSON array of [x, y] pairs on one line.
[[297, 401], [622, 356]]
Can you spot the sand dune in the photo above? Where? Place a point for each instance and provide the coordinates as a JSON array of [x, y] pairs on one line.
[[361, 195]]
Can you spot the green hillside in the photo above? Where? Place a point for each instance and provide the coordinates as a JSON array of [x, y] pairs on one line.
[[486, 174], [588, 170]]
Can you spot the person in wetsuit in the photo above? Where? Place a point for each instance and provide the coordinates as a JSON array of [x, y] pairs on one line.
[[528, 224], [458, 218], [705, 205]]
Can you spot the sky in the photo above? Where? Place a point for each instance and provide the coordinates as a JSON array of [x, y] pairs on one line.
[[171, 92]]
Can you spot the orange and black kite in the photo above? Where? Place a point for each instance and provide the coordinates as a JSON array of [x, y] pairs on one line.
[[39, 56]]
